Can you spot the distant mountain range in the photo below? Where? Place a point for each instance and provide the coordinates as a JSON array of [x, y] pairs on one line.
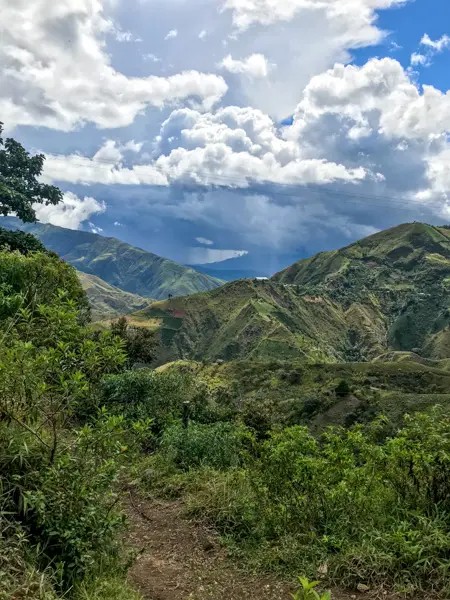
[[386, 293], [128, 268]]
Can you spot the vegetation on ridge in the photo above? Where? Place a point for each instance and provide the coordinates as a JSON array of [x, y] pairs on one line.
[[388, 292], [129, 268]]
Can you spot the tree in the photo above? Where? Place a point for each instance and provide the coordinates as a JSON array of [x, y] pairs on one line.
[[19, 185], [20, 241], [140, 342]]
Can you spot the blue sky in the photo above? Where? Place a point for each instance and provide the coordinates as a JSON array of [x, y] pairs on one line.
[[210, 129]]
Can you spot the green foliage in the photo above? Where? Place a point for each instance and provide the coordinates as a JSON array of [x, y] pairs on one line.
[[38, 279], [21, 241], [373, 509], [69, 508], [140, 342], [19, 577], [342, 389], [307, 591], [144, 393], [57, 479], [219, 445], [19, 181]]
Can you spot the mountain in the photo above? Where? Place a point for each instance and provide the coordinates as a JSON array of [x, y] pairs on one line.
[[388, 292], [119, 264], [107, 301]]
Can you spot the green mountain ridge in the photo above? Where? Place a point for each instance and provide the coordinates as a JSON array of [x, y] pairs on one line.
[[387, 292], [124, 266], [107, 301]]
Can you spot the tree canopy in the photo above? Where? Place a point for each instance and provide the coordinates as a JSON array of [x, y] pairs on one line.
[[19, 185]]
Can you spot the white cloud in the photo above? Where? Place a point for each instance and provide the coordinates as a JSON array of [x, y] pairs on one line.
[[268, 12], [123, 36], [367, 125], [303, 38], [255, 65], [94, 228], [419, 59], [173, 33], [133, 146], [117, 224], [204, 241], [105, 168], [151, 58], [380, 88], [203, 33], [432, 47], [70, 213], [438, 45], [202, 256], [55, 70]]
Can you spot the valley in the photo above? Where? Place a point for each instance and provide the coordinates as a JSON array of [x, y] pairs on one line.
[[387, 293]]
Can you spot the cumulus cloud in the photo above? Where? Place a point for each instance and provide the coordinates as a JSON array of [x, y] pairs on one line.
[[232, 147], [437, 45], [431, 48], [173, 33], [268, 12], [71, 212], [255, 65], [370, 126], [55, 70]]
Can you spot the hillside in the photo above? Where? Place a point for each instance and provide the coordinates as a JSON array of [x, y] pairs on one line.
[[107, 301], [119, 264], [390, 291], [276, 392]]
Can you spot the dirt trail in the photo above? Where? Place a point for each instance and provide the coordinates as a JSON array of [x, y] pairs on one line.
[[182, 560]]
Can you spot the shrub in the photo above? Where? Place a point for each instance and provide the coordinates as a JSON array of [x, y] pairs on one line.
[[219, 445], [342, 389], [375, 510], [146, 393]]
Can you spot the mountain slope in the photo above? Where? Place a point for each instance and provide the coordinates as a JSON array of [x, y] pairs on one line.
[[390, 291], [107, 301], [119, 264]]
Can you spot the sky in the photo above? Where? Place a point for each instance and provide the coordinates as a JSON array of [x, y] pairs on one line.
[[206, 130]]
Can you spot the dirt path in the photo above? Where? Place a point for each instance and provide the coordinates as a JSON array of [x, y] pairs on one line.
[[182, 560]]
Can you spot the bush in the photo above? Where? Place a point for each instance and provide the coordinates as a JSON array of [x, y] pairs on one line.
[[219, 445], [145, 393], [67, 507], [37, 279], [375, 510], [342, 389]]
